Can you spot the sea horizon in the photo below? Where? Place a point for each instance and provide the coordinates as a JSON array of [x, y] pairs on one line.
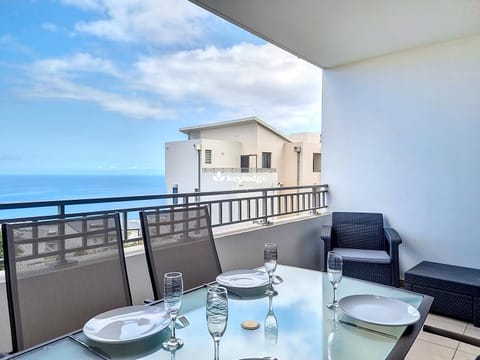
[[19, 188]]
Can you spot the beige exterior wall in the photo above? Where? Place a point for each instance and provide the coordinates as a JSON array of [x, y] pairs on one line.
[[306, 137], [225, 154], [267, 141], [228, 143], [253, 139], [246, 134], [309, 144]]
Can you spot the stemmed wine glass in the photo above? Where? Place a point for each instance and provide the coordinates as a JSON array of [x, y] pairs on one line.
[[270, 257], [334, 269], [172, 297], [271, 324], [217, 314]]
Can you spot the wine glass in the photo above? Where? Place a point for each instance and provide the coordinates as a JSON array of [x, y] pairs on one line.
[[334, 270], [333, 340], [271, 324], [172, 297], [217, 314], [270, 257]]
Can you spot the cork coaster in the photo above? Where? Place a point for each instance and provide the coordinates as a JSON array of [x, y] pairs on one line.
[[250, 324]]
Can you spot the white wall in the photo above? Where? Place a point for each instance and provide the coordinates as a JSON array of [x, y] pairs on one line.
[[401, 136], [181, 165]]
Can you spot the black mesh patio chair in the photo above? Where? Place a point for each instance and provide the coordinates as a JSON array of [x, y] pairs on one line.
[[369, 250], [179, 240], [60, 273]]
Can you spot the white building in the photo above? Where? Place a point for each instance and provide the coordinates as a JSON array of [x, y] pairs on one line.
[[241, 154]]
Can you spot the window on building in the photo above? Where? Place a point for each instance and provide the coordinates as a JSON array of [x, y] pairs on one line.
[[266, 160], [208, 156], [317, 162], [244, 162]]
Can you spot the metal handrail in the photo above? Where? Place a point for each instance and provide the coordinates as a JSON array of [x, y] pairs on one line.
[[239, 170], [230, 207]]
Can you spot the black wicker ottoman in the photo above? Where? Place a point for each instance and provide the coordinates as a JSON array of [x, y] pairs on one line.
[[456, 289]]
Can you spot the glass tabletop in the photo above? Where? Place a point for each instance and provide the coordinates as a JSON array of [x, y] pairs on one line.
[[295, 324]]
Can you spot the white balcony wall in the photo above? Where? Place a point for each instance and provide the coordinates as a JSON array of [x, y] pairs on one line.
[[400, 136], [181, 165]]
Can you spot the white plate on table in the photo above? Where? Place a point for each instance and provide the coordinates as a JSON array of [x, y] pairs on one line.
[[379, 310], [126, 324], [243, 279]]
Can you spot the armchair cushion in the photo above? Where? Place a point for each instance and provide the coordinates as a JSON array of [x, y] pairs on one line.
[[361, 255]]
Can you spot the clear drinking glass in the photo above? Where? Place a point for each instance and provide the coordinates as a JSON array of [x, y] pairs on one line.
[[270, 257], [172, 297], [217, 314], [334, 270], [271, 324]]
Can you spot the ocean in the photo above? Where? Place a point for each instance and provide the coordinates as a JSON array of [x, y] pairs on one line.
[[24, 188]]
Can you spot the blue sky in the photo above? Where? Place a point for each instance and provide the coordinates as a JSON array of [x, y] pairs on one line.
[[98, 86]]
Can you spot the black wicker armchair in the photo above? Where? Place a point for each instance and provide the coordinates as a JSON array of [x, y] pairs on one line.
[[369, 251]]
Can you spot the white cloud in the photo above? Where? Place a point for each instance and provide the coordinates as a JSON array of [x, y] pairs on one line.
[[85, 4], [80, 62], [152, 21], [61, 78], [244, 80]]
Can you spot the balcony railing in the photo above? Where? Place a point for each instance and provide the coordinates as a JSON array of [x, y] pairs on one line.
[[263, 206], [239, 170]]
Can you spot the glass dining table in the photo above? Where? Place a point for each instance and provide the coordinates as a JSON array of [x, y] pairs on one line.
[[295, 324]]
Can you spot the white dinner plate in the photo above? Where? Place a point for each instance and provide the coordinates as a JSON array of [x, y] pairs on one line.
[[243, 279], [379, 310], [126, 324]]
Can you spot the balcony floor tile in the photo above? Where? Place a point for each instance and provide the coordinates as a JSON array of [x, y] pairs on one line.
[[422, 350], [446, 323], [460, 355]]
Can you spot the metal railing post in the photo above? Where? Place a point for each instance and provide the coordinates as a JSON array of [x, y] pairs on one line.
[[61, 233], [324, 189], [265, 207], [125, 226]]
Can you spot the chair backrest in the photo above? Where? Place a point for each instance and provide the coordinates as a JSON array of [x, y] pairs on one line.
[[60, 273], [179, 240], [358, 230]]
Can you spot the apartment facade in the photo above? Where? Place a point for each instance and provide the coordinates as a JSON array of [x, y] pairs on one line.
[[241, 154]]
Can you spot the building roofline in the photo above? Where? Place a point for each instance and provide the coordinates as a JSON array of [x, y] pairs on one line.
[[187, 130]]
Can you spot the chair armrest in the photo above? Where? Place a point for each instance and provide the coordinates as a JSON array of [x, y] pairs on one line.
[[326, 236], [392, 237], [393, 241], [148, 301]]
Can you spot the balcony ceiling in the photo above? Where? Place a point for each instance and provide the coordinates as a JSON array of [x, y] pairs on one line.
[[330, 33]]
